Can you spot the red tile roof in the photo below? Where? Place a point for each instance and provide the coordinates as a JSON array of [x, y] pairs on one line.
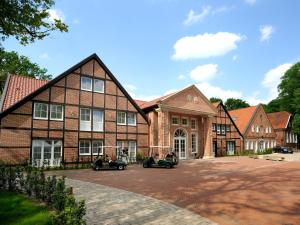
[[279, 120], [18, 87], [242, 117]]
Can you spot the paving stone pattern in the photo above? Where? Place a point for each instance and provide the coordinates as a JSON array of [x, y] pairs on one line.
[[107, 205]]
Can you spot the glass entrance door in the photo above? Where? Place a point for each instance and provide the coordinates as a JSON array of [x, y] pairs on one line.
[[180, 144]]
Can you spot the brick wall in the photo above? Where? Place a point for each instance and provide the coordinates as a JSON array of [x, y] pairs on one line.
[[18, 127]]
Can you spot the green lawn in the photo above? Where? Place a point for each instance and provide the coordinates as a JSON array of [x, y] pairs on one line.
[[17, 209]]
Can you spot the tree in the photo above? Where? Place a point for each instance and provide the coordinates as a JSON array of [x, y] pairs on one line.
[[12, 63], [214, 99], [27, 20], [234, 103], [289, 94], [273, 106]]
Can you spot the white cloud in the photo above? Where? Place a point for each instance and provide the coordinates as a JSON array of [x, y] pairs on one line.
[[273, 77], [213, 91], [56, 14], [181, 77], [204, 72], [234, 58], [194, 18], [250, 2], [205, 45], [44, 56], [266, 32]]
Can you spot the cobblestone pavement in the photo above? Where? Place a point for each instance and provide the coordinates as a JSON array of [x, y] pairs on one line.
[[106, 205], [227, 190]]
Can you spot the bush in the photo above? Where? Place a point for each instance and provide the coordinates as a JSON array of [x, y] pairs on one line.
[[52, 191]]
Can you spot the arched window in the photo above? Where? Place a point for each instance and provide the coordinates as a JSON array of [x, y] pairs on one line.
[[179, 133]]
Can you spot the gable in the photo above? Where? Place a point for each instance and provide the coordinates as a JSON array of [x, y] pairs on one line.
[[190, 99], [242, 117], [260, 119], [91, 66]]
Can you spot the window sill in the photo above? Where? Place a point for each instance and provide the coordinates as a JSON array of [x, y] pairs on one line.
[[132, 125], [40, 118], [121, 124]]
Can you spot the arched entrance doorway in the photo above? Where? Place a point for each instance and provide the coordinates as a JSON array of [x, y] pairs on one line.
[[180, 143]]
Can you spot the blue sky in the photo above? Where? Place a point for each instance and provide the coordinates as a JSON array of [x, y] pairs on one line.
[[227, 48]]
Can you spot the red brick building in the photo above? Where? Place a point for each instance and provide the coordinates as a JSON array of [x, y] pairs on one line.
[[282, 124], [227, 139], [181, 121], [255, 127], [81, 113]]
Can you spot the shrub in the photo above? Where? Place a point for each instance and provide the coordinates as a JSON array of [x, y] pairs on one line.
[[53, 191]]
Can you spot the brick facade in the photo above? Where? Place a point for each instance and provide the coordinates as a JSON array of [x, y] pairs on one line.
[[19, 128]]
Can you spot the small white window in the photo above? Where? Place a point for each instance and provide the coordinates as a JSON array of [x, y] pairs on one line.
[[267, 130], [85, 119], [213, 127], [175, 120], [131, 119], [194, 124], [86, 83], [97, 148], [84, 147], [40, 111], [97, 120], [253, 129], [247, 145], [257, 129], [223, 129], [98, 86], [121, 118], [194, 143], [218, 129], [184, 121], [56, 112], [227, 128]]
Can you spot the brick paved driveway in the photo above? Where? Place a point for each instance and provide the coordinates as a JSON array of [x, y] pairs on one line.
[[231, 190]]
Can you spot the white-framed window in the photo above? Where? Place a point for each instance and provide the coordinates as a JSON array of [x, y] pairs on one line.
[[194, 143], [251, 145], [184, 121], [230, 147], [84, 147], [85, 119], [131, 119], [247, 145], [56, 112], [227, 128], [253, 128], [223, 129], [86, 83], [257, 129], [121, 118], [97, 147], [46, 152], [218, 129], [194, 124], [97, 120], [213, 127], [40, 111], [98, 85], [175, 120], [132, 151], [267, 130]]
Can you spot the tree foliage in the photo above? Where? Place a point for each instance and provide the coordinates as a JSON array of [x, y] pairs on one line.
[[13, 63], [27, 20], [289, 94], [234, 103], [214, 99]]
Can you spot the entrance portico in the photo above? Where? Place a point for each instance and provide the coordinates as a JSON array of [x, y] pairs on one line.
[[183, 121]]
